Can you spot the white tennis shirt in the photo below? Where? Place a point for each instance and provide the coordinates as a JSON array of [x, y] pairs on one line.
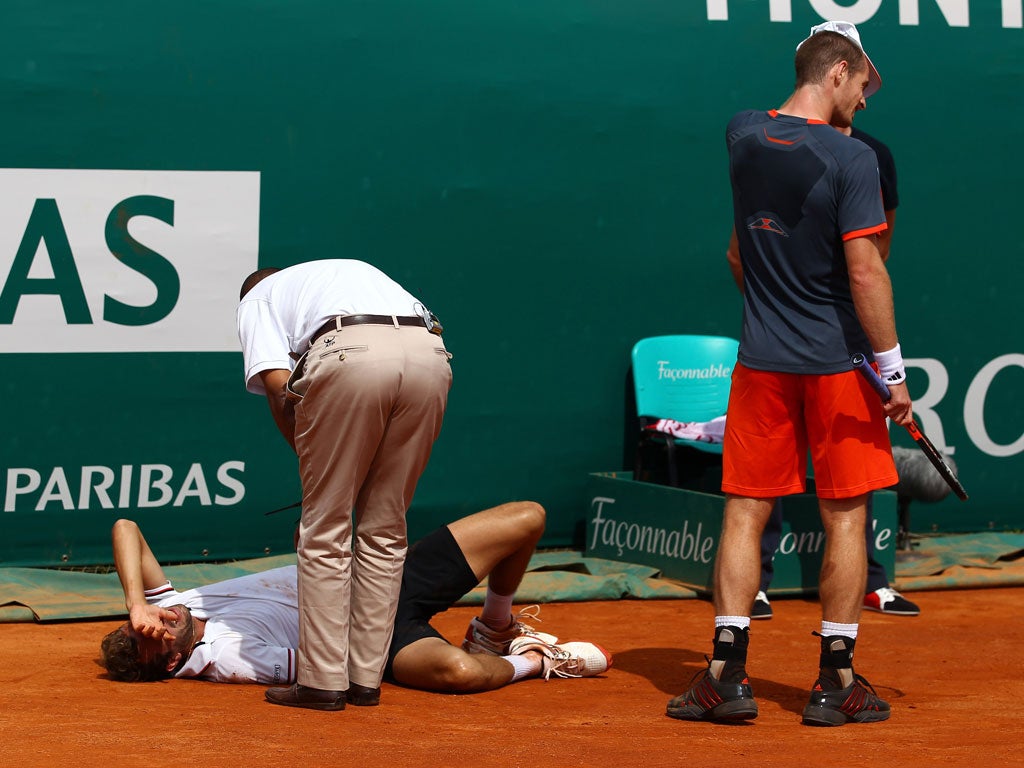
[[252, 627]]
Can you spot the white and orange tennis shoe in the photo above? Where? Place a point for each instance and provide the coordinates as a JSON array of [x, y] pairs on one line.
[[575, 659]]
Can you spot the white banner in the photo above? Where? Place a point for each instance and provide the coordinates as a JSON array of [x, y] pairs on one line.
[[124, 261]]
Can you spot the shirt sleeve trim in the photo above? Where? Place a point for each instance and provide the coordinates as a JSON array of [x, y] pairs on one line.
[[865, 232]]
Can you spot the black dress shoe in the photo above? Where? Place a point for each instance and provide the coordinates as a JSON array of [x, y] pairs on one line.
[[361, 696], [306, 697]]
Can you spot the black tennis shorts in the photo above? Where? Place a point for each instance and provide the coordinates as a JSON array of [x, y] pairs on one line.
[[436, 575]]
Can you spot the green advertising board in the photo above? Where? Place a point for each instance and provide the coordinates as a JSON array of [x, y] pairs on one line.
[[550, 178], [677, 531]]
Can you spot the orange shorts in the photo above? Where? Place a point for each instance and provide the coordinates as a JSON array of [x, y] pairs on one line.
[[774, 419]]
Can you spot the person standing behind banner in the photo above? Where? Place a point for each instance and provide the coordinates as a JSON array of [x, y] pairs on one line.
[[887, 179], [357, 378], [807, 211]]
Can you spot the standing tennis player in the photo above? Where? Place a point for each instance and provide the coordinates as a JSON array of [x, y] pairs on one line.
[[879, 594], [807, 211]]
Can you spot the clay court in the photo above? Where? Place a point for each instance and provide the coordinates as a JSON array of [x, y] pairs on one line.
[[948, 674]]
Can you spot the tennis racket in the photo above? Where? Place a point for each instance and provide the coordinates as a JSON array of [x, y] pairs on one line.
[[861, 363]]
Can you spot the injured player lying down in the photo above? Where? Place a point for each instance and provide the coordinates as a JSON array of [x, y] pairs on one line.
[[246, 629]]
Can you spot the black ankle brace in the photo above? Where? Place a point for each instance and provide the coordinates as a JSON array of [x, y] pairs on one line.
[[732, 649], [836, 651]]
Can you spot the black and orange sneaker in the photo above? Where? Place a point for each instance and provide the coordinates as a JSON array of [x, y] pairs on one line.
[[832, 705], [831, 702], [727, 698], [711, 699]]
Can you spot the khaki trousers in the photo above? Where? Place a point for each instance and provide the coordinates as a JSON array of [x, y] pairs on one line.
[[369, 404]]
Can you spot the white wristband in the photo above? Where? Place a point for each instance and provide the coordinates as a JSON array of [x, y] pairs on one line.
[[890, 366]]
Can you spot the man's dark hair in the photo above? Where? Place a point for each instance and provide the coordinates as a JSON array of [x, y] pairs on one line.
[[254, 278], [820, 52], [119, 653]]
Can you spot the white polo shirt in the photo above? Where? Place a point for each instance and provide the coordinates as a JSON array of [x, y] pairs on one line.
[[280, 314], [252, 627]]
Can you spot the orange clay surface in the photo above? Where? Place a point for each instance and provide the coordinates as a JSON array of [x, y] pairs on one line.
[[952, 676]]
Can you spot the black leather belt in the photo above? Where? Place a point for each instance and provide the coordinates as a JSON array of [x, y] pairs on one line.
[[332, 324]]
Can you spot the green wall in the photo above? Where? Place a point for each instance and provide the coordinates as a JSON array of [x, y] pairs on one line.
[[549, 177]]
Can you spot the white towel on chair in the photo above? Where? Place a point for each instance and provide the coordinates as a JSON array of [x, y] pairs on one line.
[[703, 431]]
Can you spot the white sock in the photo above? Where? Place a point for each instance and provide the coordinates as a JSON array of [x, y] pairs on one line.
[[830, 628], [523, 666], [497, 610]]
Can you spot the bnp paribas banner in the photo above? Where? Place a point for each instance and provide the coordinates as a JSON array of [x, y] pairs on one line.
[[549, 177], [116, 284], [124, 261]]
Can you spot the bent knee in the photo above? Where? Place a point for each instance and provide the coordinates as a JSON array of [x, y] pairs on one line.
[[532, 517], [462, 674], [123, 526]]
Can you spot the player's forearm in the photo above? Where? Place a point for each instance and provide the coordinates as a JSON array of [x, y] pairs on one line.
[[137, 566], [871, 290], [872, 299], [127, 542]]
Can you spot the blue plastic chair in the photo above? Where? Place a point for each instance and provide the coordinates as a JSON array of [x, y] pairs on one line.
[[684, 378]]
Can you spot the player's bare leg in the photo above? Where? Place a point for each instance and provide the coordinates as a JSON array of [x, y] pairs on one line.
[[723, 691], [738, 562], [844, 569], [431, 664], [499, 542], [840, 695]]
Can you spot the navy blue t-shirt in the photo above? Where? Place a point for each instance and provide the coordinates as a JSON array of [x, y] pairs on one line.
[[886, 169], [800, 189]]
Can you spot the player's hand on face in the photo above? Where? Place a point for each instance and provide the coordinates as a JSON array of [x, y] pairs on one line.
[[899, 408], [150, 621]]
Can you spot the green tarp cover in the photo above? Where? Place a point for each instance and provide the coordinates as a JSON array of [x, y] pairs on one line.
[[943, 562]]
